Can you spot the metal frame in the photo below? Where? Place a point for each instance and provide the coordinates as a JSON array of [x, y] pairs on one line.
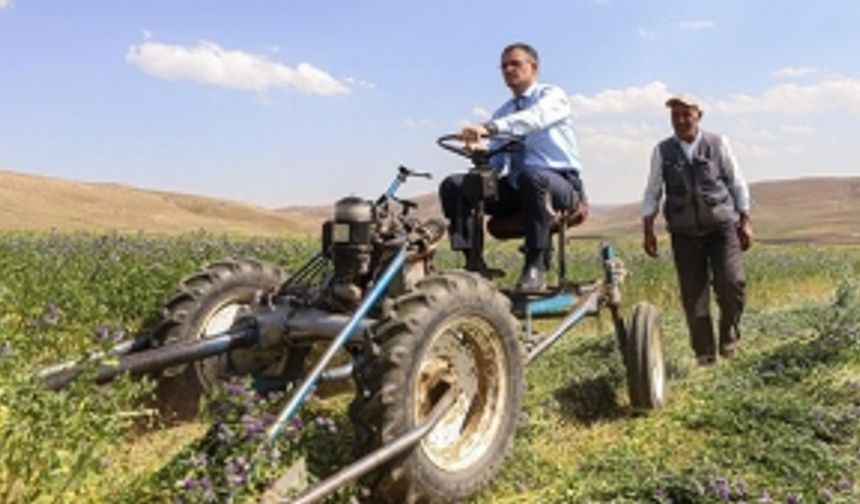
[[577, 301]]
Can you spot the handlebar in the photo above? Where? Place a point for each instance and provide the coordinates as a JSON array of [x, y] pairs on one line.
[[509, 142]]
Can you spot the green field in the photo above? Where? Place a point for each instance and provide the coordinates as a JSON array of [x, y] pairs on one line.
[[779, 423]]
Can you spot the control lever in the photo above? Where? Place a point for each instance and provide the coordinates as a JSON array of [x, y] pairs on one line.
[[405, 172]]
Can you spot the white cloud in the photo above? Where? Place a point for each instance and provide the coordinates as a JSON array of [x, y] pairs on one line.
[[646, 33], [784, 131], [6, 3], [791, 72], [208, 63], [835, 94], [352, 81], [695, 25], [481, 113], [650, 97]]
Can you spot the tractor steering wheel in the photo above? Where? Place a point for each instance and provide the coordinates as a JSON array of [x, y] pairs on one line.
[[509, 144]]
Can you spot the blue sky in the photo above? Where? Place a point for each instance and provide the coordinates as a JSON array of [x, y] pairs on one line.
[[286, 102]]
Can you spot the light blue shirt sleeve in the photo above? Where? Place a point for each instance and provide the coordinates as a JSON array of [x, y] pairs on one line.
[[546, 125], [552, 106]]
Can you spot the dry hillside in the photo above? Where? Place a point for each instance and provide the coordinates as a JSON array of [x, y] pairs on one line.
[[809, 209], [812, 209], [36, 202]]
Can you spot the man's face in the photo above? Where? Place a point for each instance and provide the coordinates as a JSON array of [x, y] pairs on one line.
[[685, 121], [519, 70]]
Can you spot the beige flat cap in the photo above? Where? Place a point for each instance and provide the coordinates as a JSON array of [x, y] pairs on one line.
[[686, 99]]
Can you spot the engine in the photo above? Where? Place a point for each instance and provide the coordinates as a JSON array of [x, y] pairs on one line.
[[349, 242]]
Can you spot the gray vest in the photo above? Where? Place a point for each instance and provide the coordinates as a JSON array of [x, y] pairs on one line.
[[697, 193]]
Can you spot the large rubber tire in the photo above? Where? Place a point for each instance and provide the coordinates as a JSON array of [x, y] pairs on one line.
[[453, 329], [207, 303], [646, 370]]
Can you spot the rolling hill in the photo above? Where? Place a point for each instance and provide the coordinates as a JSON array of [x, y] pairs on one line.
[[821, 209], [41, 203], [809, 209]]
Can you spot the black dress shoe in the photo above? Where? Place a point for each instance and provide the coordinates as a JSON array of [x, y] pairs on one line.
[[531, 280]]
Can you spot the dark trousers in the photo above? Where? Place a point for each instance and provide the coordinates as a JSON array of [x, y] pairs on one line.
[[699, 260], [536, 195]]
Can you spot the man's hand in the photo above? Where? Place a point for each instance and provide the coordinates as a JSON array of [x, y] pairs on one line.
[[649, 241], [745, 232], [472, 136]]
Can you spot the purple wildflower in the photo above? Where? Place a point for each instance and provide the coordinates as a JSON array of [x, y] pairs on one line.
[[253, 426], [6, 349], [792, 499], [236, 470], [236, 389], [103, 332], [826, 494], [297, 424], [722, 489]]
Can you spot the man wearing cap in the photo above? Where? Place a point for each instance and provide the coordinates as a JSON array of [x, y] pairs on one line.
[[707, 215], [541, 177]]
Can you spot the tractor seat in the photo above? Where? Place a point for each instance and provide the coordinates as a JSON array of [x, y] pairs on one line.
[[512, 226]]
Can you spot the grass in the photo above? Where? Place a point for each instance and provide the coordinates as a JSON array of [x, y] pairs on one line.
[[779, 422]]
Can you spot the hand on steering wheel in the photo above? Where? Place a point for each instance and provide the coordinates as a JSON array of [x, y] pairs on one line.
[[472, 136], [507, 143]]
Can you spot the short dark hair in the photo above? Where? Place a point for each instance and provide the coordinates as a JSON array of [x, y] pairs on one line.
[[531, 51]]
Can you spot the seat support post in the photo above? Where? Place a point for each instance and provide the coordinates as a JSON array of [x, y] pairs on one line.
[[562, 241]]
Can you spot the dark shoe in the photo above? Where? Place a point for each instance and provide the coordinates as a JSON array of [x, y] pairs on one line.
[[531, 280], [706, 360]]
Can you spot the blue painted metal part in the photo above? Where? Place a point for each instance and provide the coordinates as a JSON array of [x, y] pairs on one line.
[[310, 382], [553, 305], [587, 306], [556, 304], [392, 189], [607, 253]]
